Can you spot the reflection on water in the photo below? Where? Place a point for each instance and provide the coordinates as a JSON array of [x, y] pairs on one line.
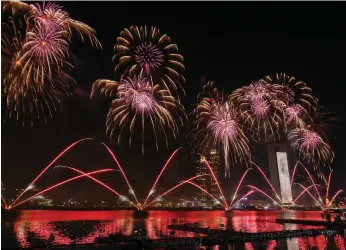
[[36, 227]]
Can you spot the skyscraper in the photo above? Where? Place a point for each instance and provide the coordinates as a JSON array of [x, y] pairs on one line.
[[208, 182]]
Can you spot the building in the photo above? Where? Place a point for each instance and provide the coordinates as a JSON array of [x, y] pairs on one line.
[[279, 169], [207, 182]]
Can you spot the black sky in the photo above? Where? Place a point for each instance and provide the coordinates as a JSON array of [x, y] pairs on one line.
[[232, 43]]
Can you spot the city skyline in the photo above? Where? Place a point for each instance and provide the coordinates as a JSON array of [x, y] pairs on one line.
[[81, 117]]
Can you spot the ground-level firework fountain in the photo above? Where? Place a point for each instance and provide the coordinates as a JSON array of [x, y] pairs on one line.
[[324, 202]]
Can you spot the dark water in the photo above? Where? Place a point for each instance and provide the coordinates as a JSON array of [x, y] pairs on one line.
[[86, 225]]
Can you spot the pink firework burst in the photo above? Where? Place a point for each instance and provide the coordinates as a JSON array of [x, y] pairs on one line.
[[48, 14], [311, 146], [143, 49], [223, 123], [53, 16], [289, 91], [138, 99], [259, 111], [136, 93], [215, 123], [44, 49], [257, 91], [260, 108], [148, 56], [293, 115]]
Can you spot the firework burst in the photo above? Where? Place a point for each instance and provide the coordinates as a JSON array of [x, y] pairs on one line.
[[215, 123], [311, 146], [293, 97], [290, 91], [54, 16], [144, 50], [35, 57], [259, 111], [44, 50], [138, 99]]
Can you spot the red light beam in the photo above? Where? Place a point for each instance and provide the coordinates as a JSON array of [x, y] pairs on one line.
[[51, 163], [262, 192], [311, 194], [61, 183], [99, 182], [246, 195], [240, 182], [3, 200], [173, 188], [216, 181], [121, 170], [162, 170], [303, 192], [205, 191], [267, 180], [312, 180], [337, 193], [294, 173], [328, 184]]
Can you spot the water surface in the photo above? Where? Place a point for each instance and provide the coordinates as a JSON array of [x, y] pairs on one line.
[[86, 225]]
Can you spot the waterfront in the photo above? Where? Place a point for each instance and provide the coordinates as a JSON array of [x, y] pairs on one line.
[[84, 226]]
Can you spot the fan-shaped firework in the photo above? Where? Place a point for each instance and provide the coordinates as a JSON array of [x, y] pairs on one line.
[[138, 99], [294, 115], [216, 124], [259, 110], [23, 95], [144, 50], [321, 121], [44, 49], [291, 91], [294, 98], [53, 16], [34, 57], [311, 146]]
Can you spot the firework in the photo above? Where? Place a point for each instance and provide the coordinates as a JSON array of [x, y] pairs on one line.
[[310, 146], [26, 95], [35, 58], [144, 50], [259, 111], [293, 97], [138, 99], [294, 115], [53, 16], [290, 91], [215, 123], [104, 87], [44, 50], [321, 121]]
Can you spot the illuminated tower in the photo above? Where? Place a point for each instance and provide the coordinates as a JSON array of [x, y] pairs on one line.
[[280, 171], [207, 182]]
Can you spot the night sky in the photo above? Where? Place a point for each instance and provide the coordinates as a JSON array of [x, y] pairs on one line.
[[232, 43]]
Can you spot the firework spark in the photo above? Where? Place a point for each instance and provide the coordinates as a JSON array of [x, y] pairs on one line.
[[144, 49], [152, 190], [59, 184], [215, 123], [62, 153], [290, 91], [293, 116], [138, 99], [259, 110], [54, 17], [35, 58], [310, 146], [44, 49]]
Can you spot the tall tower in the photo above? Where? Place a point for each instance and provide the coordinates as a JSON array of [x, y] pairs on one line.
[[208, 182], [280, 171]]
